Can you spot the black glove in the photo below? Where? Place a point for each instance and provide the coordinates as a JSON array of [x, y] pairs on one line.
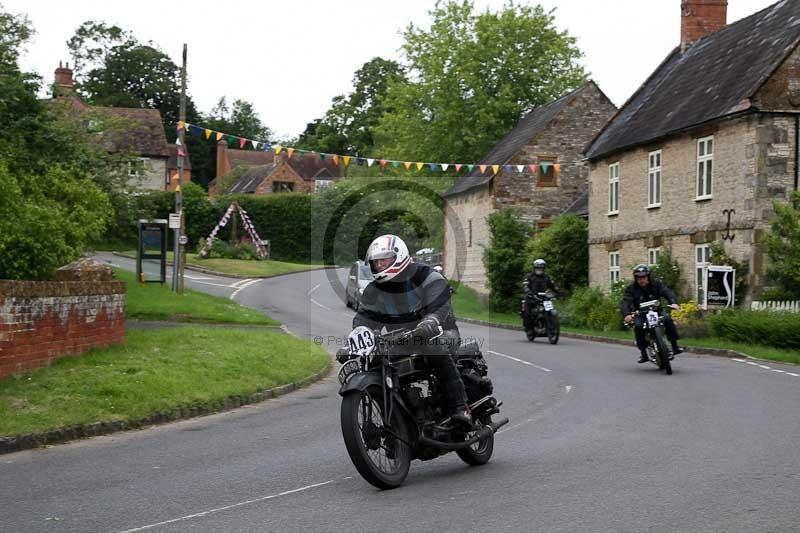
[[427, 329], [342, 355]]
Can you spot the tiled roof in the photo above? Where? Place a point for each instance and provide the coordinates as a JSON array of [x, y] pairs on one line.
[[714, 77]]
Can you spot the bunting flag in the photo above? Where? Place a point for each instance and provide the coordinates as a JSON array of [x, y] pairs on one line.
[[346, 159], [181, 153], [178, 141]]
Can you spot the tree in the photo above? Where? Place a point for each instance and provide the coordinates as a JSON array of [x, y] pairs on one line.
[[348, 126], [473, 76], [783, 246], [564, 246], [504, 261], [50, 203], [238, 119]]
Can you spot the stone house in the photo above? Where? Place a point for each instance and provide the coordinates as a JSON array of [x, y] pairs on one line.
[[702, 150], [551, 136], [138, 133]]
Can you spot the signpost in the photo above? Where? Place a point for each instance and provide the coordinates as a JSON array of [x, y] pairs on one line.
[[719, 286]]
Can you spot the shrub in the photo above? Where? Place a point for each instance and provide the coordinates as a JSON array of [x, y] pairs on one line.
[[224, 250], [504, 261], [783, 245], [691, 320], [564, 246], [668, 271], [777, 329], [591, 308]]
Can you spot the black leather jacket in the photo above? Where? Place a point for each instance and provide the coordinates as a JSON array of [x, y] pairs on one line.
[[537, 283], [634, 295], [417, 293]]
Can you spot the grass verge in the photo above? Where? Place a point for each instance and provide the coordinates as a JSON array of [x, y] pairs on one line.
[[157, 302], [154, 370], [242, 267], [467, 305]]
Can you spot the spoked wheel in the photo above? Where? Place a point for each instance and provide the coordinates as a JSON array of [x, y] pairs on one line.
[[530, 333], [662, 355], [553, 329], [380, 454], [480, 452]]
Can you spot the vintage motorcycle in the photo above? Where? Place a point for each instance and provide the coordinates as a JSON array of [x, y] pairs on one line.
[[539, 316], [651, 317], [393, 407]]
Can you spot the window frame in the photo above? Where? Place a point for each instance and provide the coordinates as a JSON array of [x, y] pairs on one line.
[[613, 189], [653, 253], [701, 251], [553, 180], [278, 183], [654, 170], [705, 178], [613, 268], [133, 170]]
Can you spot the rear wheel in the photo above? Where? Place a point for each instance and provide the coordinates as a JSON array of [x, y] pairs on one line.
[[553, 328], [381, 455], [480, 452]]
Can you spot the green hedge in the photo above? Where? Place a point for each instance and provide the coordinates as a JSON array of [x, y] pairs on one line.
[[591, 308], [780, 330]]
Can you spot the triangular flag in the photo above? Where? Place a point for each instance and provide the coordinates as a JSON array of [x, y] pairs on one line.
[[396, 164], [278, 149], [242, 142], [432, 166], [458, 167], [231, 138], [470, 167], [290, 151], [335, 159], [208, 133], [495, 168], [181, 153], [407, 164], [520, 168], [302, 153], [382, 163], [533, 168], [419, 166], [321, 156], [178, 141], [267, 147], [178, 188], [507, 168], [195, 130], [346, 159], [483, 168], [444, 166], [544, 166], [219, 135], [180, 125], [255, 144], [369, 162], [557, 167]]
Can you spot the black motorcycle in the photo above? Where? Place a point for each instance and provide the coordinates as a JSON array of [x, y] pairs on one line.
[[651, 317], [393, 407], [539, 316]]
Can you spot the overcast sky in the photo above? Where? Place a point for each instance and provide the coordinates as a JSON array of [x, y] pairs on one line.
[[290, 58]]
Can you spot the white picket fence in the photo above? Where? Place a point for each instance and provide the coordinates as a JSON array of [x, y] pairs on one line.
[[788, 306]]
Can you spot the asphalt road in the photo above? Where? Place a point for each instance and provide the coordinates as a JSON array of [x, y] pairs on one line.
[[595, 443]]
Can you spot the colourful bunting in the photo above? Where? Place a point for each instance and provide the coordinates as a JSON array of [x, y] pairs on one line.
[[419, 166], [278, 149], [346, 160], [254, 144], [432, 166], [208, 133], [470, 167], [545, 166], [181, 125], [520, 168], [557, 168], [396, 164], [181, 153], [533, 168], [369, 162], [458, 167], [495, 168], [290, 151], [444, 166], [507, 168], [242, 142], [335, 159], [219, 136], [382, 163], [483, 168], [407, 164]]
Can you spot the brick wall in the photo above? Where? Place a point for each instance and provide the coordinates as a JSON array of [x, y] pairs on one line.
[[42, 321], [287, 174]]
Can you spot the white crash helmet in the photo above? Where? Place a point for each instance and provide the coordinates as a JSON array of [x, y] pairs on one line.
[[388, 246]]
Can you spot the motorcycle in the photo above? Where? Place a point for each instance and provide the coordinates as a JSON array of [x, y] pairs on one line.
[[651, 317], [539, 316], [393, 408]]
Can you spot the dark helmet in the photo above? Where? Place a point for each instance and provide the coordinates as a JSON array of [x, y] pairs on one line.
[[641, 270]]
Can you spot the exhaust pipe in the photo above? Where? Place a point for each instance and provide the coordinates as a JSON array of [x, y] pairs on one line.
[[485, 431]]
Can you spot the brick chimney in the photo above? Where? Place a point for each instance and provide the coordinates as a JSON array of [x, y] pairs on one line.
[[701, 17], [223, 166], [64, 84]]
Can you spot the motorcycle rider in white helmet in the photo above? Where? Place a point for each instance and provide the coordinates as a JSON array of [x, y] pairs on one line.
[[405, 294]]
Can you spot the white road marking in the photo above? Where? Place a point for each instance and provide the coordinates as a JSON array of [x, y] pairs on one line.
[[240, 282], [196, 277], [569, 388], [779, 371], [214, 284], [244, 286], [315, 288], [738, 360], [765, 367], [519, 360], [793, 374], [218, 509], [319, 304]]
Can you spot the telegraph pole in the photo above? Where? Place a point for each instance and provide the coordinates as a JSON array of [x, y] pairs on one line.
[[177, 264]]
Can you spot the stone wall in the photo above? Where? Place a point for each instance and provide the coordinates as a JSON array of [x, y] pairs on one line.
[[41, 321], [462, 261]]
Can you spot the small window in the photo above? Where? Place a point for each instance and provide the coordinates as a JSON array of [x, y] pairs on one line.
[[613, 268], [654, 179], [652, 255], [613, 189], [282, 186], [705, 167], [702, 260], [546, 173], [136, 167], [322, 184]]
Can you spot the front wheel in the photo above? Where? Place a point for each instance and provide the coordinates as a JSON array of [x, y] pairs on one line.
[[530, 333], [479, 453], [380, 454], [553, 328], [662, 355]]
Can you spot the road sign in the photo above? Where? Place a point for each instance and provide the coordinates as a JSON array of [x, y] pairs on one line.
[[174, 221], [183, 239]]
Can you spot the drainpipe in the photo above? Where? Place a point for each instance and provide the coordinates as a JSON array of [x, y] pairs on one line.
[[796, 149]]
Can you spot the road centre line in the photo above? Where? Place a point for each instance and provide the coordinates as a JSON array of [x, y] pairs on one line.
[[315, 288], [319, 304], [240, 282], [218, 509], [519, 360], [244, 286], [765, 367]]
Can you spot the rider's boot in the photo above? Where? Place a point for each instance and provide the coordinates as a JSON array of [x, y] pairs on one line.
[[643, 358]]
